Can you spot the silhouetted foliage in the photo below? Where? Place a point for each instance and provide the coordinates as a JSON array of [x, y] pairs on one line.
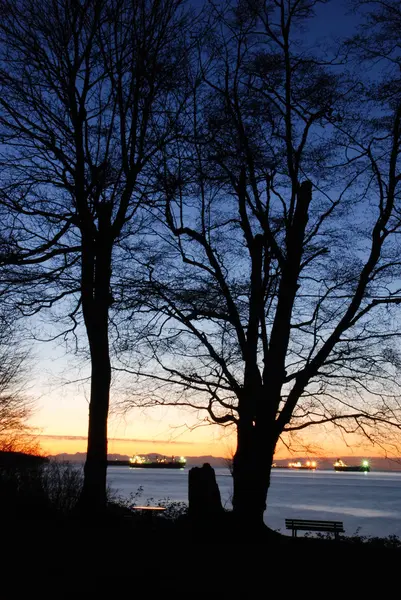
[[16, 407], [34, 486]]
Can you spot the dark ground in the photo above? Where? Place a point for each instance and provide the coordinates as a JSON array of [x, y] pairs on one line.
[[136, 558]]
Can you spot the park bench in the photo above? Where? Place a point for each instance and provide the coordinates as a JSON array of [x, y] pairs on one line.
[[295, 525], [149, 512]]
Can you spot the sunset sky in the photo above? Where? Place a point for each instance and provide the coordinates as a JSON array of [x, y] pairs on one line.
[[61, 419], [61, 415]]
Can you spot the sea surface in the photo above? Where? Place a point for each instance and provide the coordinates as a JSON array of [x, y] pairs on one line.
[[368, 503]]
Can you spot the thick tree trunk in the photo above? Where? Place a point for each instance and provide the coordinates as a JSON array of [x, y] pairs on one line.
[[96, 277], [251, 474], [93, 495]]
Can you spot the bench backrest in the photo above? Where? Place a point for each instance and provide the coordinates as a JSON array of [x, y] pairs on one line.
[[313, 524]]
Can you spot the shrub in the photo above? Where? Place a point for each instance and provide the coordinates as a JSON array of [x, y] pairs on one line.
[[391, 541], [31, 490], [62, 484]]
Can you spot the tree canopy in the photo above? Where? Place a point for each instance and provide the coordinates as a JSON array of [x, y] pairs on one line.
[[91, 92], [273, 295]]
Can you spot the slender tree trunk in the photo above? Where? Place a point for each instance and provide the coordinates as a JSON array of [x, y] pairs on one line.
[[251, 474]]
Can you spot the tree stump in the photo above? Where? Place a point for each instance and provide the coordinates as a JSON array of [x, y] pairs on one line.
[[203, 494]]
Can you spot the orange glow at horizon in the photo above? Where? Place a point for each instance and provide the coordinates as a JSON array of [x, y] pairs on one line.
[[61, 424], [59, 444]]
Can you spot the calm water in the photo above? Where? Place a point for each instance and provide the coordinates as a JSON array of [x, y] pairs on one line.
[[368, 501]]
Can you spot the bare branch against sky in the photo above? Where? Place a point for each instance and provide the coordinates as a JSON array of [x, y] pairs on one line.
[[91, 93], [271, 298]]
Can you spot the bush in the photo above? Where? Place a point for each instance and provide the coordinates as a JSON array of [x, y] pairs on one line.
[[391, 542], [21, 491], [62, 485], [32, 490]]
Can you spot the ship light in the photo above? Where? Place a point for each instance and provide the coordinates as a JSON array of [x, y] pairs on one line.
[[137, 460], [365, 463], [182, 459], [313, 463]]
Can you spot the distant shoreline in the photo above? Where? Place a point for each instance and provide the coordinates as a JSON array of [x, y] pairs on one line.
[[378, 464]]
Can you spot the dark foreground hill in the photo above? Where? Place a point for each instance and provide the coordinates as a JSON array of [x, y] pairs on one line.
[[16, 460]]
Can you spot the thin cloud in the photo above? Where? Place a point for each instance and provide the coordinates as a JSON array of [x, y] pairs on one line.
[[134, 440]]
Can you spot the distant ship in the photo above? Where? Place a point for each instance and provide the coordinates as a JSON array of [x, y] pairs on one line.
[[339, 465], [310, 465], [143, 462]]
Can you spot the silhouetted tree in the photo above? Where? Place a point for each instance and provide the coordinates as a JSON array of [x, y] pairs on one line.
[[90, 93], [272, 300], [16, 407]]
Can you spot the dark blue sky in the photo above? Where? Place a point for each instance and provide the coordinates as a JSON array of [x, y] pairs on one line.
[[334, 19]]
